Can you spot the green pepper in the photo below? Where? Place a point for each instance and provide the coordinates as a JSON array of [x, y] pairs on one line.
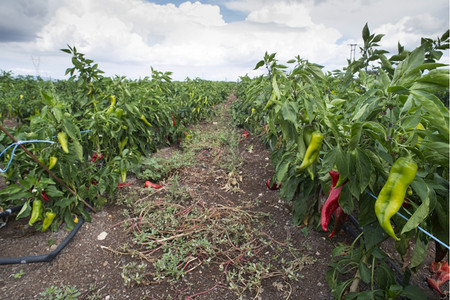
[[392, 194], [52, 162], [37, 212], [62, 138], [312, 152], [144, 119], [122, 144], [111, 106], [48, 220]]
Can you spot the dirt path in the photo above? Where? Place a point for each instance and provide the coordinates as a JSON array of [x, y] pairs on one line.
[[220, 179]]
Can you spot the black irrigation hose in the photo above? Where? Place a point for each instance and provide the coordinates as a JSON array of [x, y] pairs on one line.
[[354, 233], [41, 258], [9, 211]]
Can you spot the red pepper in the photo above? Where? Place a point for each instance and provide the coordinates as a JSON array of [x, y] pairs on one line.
[[340, 217], [332, 202], [96, 156], [44, 196], [274, 186], [173, 121], [121, 185], [152, 185], [245, 134], [441, 275]]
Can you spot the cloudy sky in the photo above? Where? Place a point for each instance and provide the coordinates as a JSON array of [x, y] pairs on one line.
[[210, 39]]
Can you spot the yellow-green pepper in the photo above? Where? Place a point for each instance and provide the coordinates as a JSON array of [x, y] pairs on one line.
[[392, 194]]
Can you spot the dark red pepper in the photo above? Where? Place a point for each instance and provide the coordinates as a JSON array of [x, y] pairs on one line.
[[173, 121], [274, 186], [44, 196], [97, 156], [340, 217], [122, 185], [332, 203]]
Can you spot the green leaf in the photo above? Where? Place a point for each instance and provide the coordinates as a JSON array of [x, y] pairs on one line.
[[259, 64], [414, 293], [364, 272], [46, 181], [78, 150], [346, 200], [329, 160], [373, 234], [276, 90], [282, 170], [421, 212], [364, 169], [419, 255], [289, 112], [70, 128], [365, 32], [24, 211], [11, 189], [355, 135]]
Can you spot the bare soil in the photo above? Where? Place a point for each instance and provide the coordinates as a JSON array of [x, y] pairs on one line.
[[94, 265]]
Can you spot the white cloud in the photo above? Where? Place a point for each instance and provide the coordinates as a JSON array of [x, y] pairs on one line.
[[126, 37], [409, 31], [289, 14]]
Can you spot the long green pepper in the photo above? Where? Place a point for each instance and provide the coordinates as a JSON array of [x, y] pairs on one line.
[[393, 193], [312, 152], [37, 212]]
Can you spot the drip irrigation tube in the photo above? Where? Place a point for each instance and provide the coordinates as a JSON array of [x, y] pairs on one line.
[[39, 258], [355, 230]]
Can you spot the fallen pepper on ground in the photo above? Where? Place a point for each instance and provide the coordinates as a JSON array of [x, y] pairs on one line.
[[441, 275], [152, 185]]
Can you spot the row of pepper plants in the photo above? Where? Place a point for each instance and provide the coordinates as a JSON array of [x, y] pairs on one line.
[[96, 130], [373, 140]]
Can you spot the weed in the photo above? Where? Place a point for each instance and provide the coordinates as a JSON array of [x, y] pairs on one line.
[[60, 293], [133, 273], [19, 274]]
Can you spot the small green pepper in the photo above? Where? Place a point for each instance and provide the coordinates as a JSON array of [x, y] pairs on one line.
[[37, 212], [52, 162], [48, 220], [144, 119], [312, 152]]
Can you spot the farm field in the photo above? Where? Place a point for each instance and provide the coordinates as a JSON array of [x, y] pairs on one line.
[[297, 184]]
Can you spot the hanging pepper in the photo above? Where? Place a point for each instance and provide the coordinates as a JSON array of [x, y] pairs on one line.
[[44, 196], [312, 152], [275, 186], [144, 119], [37, 212], [392, 194], [111, 106], [122, 144], [52, 162], [340, 217], [173, 121], [48, 220], [332, 204], [62, 138]]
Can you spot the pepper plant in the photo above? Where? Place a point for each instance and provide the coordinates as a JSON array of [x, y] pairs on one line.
[[378, 112]]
